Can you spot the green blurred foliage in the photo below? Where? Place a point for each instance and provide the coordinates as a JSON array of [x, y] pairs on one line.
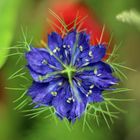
[[31, 15], [8, 14]]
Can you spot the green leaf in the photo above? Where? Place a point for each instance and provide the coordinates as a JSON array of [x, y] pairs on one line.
[[8, 13]]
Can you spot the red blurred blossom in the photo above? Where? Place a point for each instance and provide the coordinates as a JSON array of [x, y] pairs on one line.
[[83, 18]]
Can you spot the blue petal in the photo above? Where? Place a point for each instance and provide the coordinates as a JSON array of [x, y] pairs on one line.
[[70, 110], [42, 78], [55, 44], [101, 66], [102, 81], [83, 40], [100, 74], [98, 52], [68, 46], [105, 80], [77, 110], [38, 93], [91, 55], [60, 103], [54, 40], [43, 93], [91, 92], [70, 39], [83, 47], [96, 95], [40, 61]]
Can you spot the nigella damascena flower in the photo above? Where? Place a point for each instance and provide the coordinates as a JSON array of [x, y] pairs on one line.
[[69, 74]]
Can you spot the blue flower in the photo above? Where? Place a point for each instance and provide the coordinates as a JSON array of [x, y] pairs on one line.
[[69, 74]]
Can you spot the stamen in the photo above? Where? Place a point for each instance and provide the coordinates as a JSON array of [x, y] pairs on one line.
[[95, 71], [91, 87], [99, 74], [68, 46], [40, 78], [54, 93], [113, 83], [70, 99], [51, 53], [87, 60], [90, 53], [60, 83], [89, 93], [56, 49], [44, 62], [79, 84], [51, 66], [85, 64], [64, 46], [81, 48]]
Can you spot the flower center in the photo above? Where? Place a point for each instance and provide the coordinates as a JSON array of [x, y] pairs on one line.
[[69, 72]]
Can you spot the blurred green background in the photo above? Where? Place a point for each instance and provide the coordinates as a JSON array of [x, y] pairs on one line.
[[31, 14]]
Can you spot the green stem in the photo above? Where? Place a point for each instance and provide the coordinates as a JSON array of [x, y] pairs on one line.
[[48, 75], [86, 69]]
